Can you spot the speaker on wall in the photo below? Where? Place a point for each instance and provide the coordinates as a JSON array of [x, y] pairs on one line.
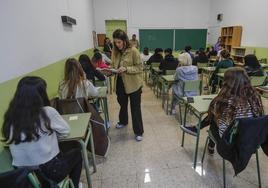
[[219, 17], [68, 20]]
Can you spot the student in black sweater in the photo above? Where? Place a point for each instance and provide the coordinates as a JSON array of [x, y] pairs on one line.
[[252, 66], [157, 57], [89, 69], [169, 62], [201, 57]]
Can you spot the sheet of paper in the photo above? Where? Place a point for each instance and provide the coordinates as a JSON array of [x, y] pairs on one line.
[[72, 118]]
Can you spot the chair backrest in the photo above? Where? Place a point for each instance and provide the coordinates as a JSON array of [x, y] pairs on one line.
[[170, 72], [201, 65], [99, 83], [257, 80], [5, 159], [192, 85], [70, 106], [155, 64], [263, 60], [222, 70]]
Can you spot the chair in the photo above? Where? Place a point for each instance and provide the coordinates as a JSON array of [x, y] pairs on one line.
[[8, 171], [160, 82], [257, 80], [201, 65], [101, 141], [188, 86], [222, 70], [210, 136], [170, 72]]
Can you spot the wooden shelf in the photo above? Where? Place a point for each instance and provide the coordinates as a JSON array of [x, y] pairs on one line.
[[231, 36]]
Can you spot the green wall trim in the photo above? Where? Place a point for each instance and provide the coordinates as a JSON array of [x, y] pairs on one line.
[[52, 73]]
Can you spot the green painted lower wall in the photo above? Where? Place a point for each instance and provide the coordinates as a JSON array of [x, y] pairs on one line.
[[261, 52], [52, 73]]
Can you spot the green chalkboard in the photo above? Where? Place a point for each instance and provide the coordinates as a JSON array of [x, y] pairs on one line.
[[156, 38], [196, 38]]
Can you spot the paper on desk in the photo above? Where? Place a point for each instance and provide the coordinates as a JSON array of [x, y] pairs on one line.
[[73, 118]]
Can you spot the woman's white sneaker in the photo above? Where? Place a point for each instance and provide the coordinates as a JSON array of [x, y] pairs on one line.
[[119, 126], [139, 138]]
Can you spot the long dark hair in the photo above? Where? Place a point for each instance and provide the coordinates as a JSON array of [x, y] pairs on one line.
[[237, 88], [121, 35], [25, 111]]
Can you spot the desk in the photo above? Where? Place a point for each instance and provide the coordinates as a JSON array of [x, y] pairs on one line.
[[104, 104], [155, 76], [168, 80], [207, 71], [81, 132], [199, 108], [146, 70], [264, 65]]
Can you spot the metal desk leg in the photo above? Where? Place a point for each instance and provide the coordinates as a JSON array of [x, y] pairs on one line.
[[107, 119], [197, 141], [86, 163], [163, 94], [184, 123]]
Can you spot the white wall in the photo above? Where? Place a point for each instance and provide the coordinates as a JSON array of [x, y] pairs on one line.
[[250, 14], [33, 36], [153, 13]]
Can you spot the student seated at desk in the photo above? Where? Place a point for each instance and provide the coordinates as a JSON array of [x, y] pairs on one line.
[[75, 84], [236, 99], [169, 62], [183, 73], [188, 49], [105, 58], [157, 57], [98, 62], [252, 66], [223, 64], [211, 52], [32, 128], [89, 69], [201, 57], [145, 55]]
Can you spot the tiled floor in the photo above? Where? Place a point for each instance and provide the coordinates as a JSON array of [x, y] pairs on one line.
[[159, 160]]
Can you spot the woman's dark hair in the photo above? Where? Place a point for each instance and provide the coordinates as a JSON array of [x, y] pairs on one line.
[[187, 48], [146, 51], [96, 50], [252, 61], [225, 54], [84, 58], [121, 35], [96, 57], [22, 120], [168, 50], [158, 50], [237, 88]]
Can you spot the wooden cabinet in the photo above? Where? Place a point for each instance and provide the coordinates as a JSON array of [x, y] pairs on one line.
[[101, 38], [231, 37]]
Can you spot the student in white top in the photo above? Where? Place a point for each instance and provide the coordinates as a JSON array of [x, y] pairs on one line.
[[75, 84], [145, 56], [31, 128]]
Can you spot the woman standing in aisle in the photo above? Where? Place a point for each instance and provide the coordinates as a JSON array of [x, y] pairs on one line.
[[128, 82]]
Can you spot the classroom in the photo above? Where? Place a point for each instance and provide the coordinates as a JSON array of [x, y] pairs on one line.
[[133, 94]]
